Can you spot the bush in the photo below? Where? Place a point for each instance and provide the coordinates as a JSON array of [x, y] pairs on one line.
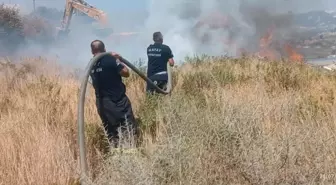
[[11, 28], [16, 30], [38, 30]]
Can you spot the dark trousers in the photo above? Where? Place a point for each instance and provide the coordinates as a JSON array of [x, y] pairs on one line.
[[160, 80], [150, 89], [117, 115]]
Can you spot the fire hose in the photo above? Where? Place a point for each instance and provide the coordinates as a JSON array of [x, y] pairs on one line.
[[80, 115]]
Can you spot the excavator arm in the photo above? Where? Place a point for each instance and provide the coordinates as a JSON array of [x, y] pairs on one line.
[[81, 6], [73, 6]]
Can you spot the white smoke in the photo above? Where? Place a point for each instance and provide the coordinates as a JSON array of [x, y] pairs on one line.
[[176, 19]]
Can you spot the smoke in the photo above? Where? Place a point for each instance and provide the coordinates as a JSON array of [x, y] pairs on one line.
[[244, 23], [241, 24], [39, 30]]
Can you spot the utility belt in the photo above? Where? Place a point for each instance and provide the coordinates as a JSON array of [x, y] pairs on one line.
[[160, 76]]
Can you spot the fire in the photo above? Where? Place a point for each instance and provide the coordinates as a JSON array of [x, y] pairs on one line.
[[293, 55], [269, 46], [266, 40], [267, 51]]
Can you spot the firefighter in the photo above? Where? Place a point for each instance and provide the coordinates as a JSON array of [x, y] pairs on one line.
[[158, 55], [113, 105]]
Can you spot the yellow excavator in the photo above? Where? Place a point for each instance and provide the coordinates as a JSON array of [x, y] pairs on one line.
[[79, 6]]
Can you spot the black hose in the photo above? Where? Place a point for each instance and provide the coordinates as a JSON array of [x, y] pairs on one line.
[[144, 77], [80, 115]]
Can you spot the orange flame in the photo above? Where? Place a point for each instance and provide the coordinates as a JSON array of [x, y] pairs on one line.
[[267, 51], [293, 55], [264, 43], [266, 40]]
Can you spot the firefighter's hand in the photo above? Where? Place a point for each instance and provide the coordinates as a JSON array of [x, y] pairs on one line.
[[115, 55]]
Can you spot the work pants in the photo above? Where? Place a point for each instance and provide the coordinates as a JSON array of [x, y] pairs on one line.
[[117, 115]]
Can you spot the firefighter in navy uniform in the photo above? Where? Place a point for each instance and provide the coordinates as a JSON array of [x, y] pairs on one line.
[[158, 55], [113, 105]]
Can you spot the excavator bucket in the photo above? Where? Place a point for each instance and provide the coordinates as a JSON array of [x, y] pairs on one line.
[[61, 33]]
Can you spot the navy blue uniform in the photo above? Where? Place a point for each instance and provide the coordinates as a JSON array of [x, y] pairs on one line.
[[113, 105], [158, 55]]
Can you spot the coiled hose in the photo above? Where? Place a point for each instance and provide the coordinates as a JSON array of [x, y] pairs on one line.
[[80, 114]]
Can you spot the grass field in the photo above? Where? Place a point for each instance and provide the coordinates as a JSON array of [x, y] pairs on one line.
[[228, 121]]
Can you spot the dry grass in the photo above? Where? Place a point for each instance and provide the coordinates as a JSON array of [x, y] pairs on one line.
[[227, 122]]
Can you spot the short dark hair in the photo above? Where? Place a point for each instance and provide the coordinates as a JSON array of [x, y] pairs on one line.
[[157, 36], [97, 46]]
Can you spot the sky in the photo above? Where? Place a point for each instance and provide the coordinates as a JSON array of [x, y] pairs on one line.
[[175, 19], [141, 5], [106, 5], [118, 11]]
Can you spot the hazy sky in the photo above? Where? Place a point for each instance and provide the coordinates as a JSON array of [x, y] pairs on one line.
[[106, 5], [141, 5]]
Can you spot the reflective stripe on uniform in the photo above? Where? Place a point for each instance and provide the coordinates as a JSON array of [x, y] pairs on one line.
[[161, 73]]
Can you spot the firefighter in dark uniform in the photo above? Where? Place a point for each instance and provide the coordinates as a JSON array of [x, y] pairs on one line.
[[158, 55], [113, 105]]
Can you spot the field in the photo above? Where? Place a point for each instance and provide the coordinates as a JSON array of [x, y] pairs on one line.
[[228, 121]]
